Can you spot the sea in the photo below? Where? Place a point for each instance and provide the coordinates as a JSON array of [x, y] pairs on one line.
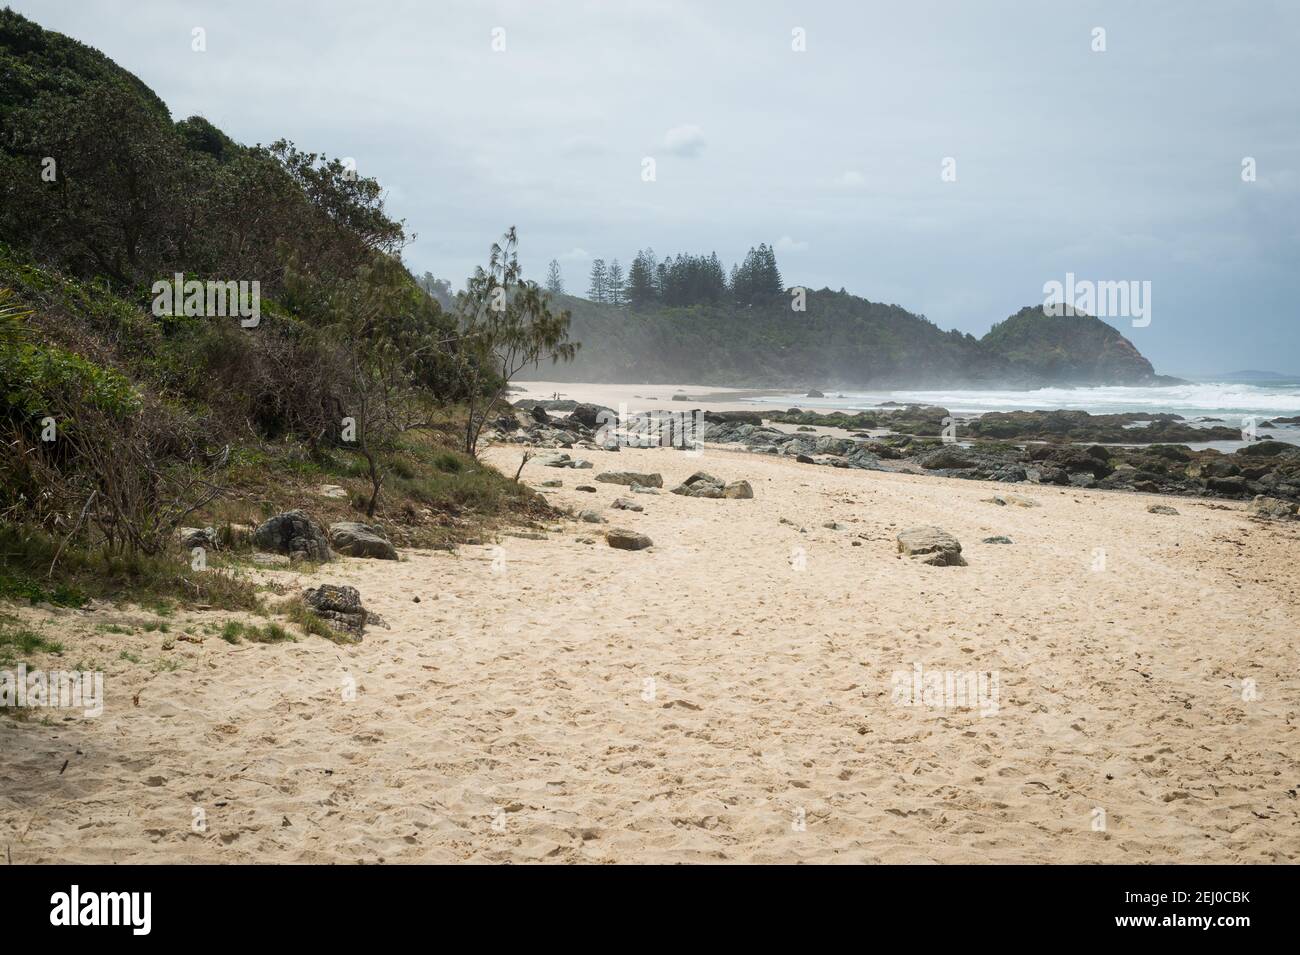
[[1234, 404]]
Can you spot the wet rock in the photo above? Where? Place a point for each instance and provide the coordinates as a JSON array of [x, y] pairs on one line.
[[951, 457], [1232, 486], [1265, 449]]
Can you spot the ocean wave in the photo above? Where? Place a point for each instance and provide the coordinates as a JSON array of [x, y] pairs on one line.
[[1189, 400]]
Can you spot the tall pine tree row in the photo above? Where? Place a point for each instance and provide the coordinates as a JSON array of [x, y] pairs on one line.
[[685, 280]]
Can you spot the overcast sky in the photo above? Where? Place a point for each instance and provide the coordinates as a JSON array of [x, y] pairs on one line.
[[1117, 165]]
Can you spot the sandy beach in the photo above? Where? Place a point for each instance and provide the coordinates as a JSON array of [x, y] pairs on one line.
[[728, 695]]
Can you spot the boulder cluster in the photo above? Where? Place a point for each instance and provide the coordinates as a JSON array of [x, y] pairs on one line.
[[295, 534]]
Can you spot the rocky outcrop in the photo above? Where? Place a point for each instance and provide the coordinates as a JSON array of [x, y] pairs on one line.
[[295, 534], [931, 545], [340, 607], [589, 415], [361, 540]]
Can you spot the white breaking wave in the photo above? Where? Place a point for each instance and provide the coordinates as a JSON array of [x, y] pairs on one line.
[[1191, 400]]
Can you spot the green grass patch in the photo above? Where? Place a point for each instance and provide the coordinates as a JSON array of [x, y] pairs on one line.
[[235, 632], [162, 582], [311, 623], [18, 642]]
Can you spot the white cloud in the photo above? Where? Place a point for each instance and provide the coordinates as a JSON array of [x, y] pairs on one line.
[[787, 244], [574, 255], [684, 141], [852, 180]]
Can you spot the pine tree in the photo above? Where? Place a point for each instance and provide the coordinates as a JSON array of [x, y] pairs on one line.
[[641, 290], [615, 289], [554, 281], [769, 283], [599, 290]]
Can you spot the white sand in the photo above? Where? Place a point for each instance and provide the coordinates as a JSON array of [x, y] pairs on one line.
[[520, 697]]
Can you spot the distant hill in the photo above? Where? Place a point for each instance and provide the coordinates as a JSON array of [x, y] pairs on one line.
[[842, 340], [1071, 349]]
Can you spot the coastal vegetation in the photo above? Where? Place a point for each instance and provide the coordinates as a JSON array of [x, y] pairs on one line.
[[126, 415]]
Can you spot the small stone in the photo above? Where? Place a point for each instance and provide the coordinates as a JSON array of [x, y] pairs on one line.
[[1162, 509], [999, 539]]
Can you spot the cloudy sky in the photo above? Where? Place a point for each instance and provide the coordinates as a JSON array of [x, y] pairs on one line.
[[1117, 165]]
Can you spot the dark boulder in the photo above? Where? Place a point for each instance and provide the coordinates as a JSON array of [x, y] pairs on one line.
[[292, 533], [340, 607]]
